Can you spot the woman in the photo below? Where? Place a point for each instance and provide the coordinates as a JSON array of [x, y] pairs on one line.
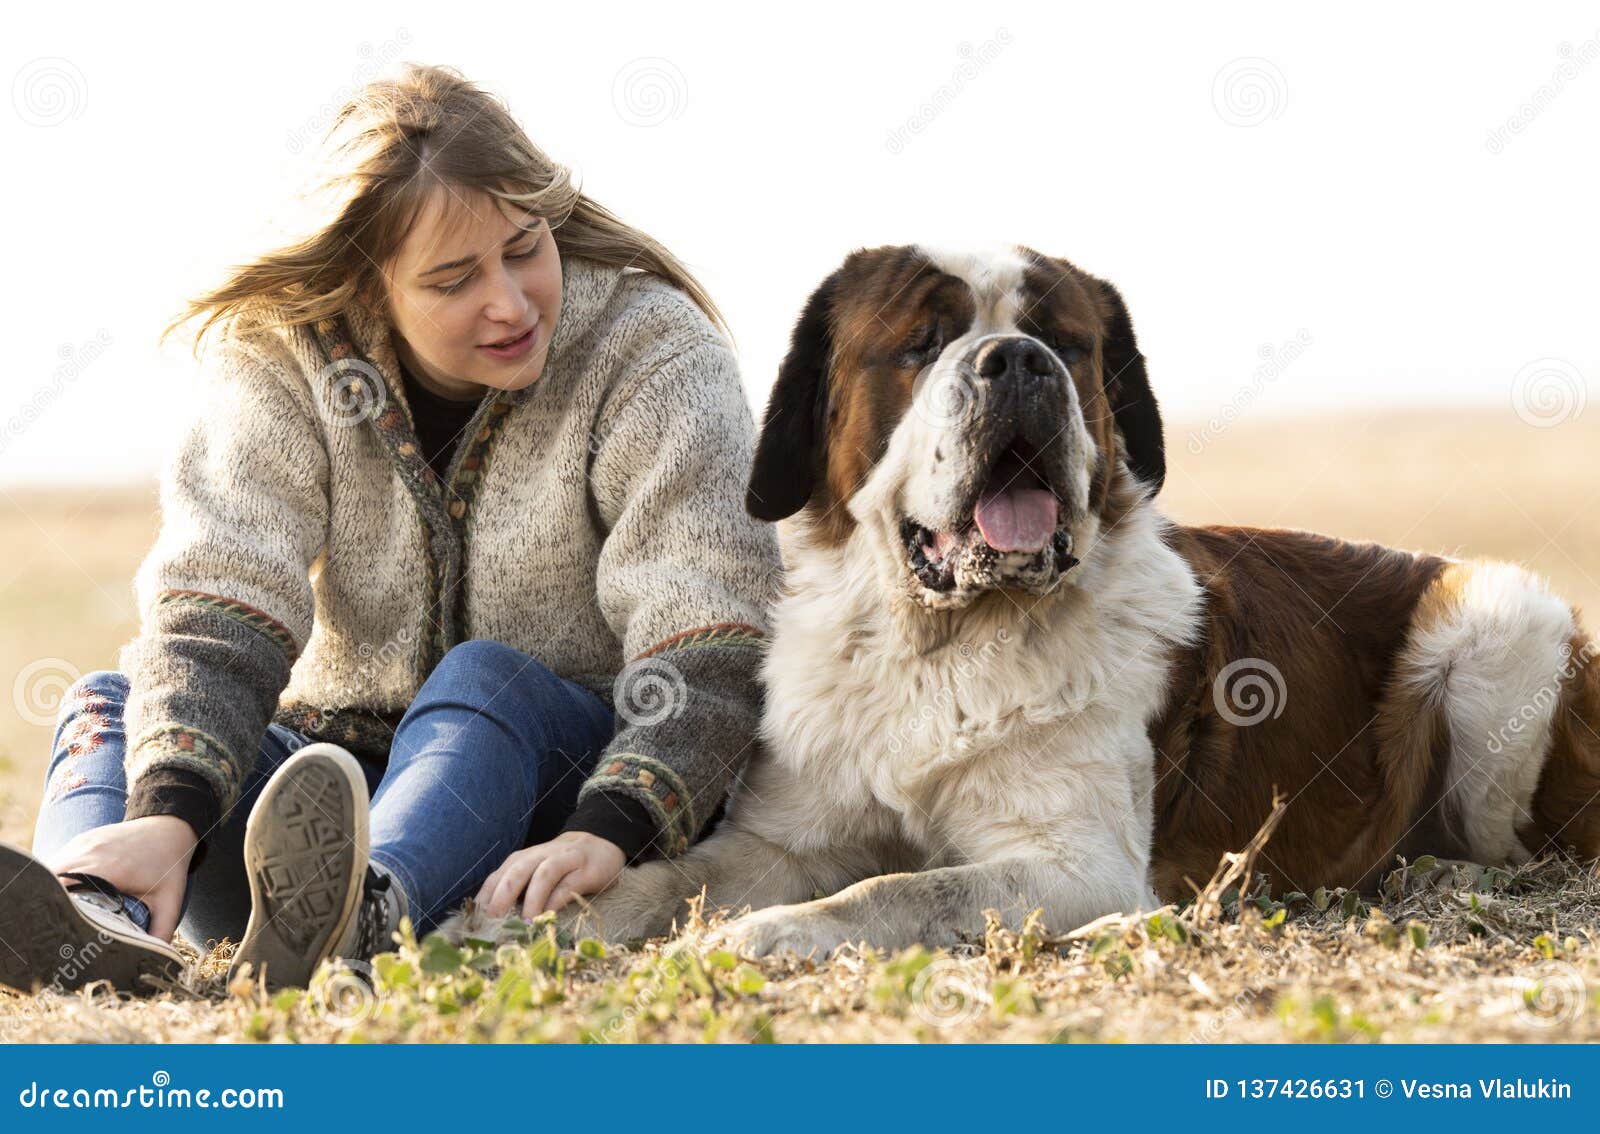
[[459, 528]]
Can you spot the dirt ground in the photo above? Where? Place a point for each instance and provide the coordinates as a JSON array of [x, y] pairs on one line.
[[1448, 953]]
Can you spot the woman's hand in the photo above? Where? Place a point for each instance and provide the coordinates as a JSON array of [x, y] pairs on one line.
[[552, 874], [146, 858]]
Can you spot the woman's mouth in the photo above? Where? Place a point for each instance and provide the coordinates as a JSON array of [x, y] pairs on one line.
[[514, 347]]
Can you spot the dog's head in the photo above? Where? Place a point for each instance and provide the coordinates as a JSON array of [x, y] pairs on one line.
[[980, 417]]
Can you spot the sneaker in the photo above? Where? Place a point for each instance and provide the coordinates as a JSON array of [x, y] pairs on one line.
[[313, 893], [66, 935]]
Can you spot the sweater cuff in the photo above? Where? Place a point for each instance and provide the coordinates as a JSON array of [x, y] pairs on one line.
[[180, 792], [618, 819]]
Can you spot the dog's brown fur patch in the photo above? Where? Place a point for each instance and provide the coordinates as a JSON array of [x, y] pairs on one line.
[[1329, 616]]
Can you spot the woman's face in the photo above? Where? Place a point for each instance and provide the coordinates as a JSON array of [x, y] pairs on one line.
[[474, 298]]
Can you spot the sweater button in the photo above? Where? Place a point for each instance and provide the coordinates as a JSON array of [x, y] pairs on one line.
[[458, 508]]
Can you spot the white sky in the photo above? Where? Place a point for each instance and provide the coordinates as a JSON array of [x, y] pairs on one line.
[[1360, 199]]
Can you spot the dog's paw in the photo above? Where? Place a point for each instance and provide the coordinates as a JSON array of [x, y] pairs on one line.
[[472, 923], [803, 931], [576, 919], [1446, 874], [617, 916], [454, 928]]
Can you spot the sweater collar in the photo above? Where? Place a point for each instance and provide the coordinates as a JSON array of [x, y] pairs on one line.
[[364, 335], [586, 288]]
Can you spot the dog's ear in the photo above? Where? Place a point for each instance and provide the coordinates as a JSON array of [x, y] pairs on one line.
[[1133, 404], [790, 453]]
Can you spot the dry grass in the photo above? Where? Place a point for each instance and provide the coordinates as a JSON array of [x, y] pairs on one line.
[[1451, 954], [1448, 953]]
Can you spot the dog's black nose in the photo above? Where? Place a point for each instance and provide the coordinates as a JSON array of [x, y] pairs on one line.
[[1011, 360]]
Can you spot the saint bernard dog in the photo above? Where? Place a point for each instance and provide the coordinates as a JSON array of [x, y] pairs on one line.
[[1000, 679]]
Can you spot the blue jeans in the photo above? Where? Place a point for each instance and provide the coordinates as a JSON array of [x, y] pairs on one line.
[[488, 758]]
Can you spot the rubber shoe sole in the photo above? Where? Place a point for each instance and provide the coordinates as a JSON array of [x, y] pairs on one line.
[[49, 940], [305, 855]]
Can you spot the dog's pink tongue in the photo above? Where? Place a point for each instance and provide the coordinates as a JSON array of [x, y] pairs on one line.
[[1016, 519]]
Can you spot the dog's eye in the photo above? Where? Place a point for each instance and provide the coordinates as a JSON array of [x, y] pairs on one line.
[[922, 344], [1069, 351]]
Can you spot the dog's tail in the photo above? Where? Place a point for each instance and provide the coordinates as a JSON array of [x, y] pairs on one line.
[[1501, 666]]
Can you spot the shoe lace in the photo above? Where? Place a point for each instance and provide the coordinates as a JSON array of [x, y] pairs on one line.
[[373, 928], [96, 891], [94, 884]]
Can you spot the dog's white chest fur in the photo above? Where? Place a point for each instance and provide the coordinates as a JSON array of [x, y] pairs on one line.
[[999, 734]]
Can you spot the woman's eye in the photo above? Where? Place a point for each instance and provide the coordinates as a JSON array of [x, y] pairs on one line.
[[452, 288], [529, 254]]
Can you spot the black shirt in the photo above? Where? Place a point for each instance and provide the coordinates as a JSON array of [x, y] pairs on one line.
[[440, 422]]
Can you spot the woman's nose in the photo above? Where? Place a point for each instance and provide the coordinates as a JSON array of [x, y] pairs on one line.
[[508, 303]]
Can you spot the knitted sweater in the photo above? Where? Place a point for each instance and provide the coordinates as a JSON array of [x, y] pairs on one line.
[[312, 569]]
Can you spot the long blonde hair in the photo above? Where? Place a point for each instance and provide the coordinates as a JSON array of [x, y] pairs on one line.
[[386, 150]]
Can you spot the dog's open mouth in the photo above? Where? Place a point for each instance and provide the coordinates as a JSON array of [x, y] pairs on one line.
[[1011, 537]]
